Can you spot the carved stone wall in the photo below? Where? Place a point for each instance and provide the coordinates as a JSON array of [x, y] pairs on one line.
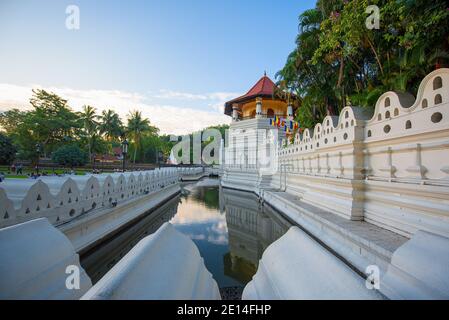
[[61, 199], [391, 169]]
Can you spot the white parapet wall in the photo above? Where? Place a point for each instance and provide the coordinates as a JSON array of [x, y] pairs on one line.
[[62, 199], [164, 265], [37, 262], [389, 168], [297, 267], [192, 173], [90, 229]]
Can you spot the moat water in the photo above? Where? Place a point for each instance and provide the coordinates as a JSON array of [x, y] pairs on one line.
[[230, 228]]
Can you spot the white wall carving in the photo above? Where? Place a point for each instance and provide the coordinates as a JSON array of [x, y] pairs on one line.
[[61, 199]]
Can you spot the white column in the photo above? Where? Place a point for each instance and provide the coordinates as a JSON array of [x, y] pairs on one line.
[[258, 108], [235, 112]]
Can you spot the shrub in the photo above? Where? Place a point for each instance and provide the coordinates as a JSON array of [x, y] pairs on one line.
[[70, 156]]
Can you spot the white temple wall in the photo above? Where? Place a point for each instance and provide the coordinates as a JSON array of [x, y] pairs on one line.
[[61, 199], [390, 168]]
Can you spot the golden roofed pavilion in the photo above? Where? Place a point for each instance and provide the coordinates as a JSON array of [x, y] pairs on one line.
[[259, 102]]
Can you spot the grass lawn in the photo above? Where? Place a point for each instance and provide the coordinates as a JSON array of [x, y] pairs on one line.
[[15, 176], [26, 171]]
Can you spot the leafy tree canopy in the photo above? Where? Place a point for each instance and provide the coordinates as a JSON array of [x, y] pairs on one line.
[[7, 150], [339, 61], [70, 156]]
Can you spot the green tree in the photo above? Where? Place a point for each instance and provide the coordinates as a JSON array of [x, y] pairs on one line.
[[70, 156], [7, 150], [110, 125], [88, 117], [52, 119], [137, 127], [337, 60], [51, 123], [11, 119]]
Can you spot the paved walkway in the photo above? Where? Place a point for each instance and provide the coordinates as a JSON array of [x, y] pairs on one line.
[[347, 238]]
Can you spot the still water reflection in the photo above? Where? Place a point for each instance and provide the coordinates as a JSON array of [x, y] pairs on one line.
[[229, 227]]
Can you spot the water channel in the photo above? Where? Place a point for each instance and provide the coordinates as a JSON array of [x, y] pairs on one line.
[[230, 228]]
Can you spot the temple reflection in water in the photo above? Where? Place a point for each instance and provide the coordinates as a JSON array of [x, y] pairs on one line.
[[251, 229]]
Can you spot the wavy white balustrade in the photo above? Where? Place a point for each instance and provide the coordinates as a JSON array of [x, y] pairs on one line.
[[164, 265], [60, 199], [297, 267], [34, 257], [392, 108]]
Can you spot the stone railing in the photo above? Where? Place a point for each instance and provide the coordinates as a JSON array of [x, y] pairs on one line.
[[391, 169], [213, 170], [61, 199], [190, 171]]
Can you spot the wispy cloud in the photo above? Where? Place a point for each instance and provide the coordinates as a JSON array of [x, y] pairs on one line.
[[218, 96], [171, 111]]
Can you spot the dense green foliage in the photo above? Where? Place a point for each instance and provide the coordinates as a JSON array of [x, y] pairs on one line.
[[53, 124], [7, 150], [139, 127], [339, 61], [70, 156]]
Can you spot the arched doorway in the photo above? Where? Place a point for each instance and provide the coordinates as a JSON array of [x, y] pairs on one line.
[[270, 113]]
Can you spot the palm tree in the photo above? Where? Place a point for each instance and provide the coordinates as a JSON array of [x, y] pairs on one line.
[[110, 126], [88, 117], [137, 126]]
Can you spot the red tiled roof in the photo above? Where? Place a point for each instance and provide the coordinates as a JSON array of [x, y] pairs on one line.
[[263, 88]]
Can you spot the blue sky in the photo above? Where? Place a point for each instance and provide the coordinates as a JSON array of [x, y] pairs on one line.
[[171, 59]]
